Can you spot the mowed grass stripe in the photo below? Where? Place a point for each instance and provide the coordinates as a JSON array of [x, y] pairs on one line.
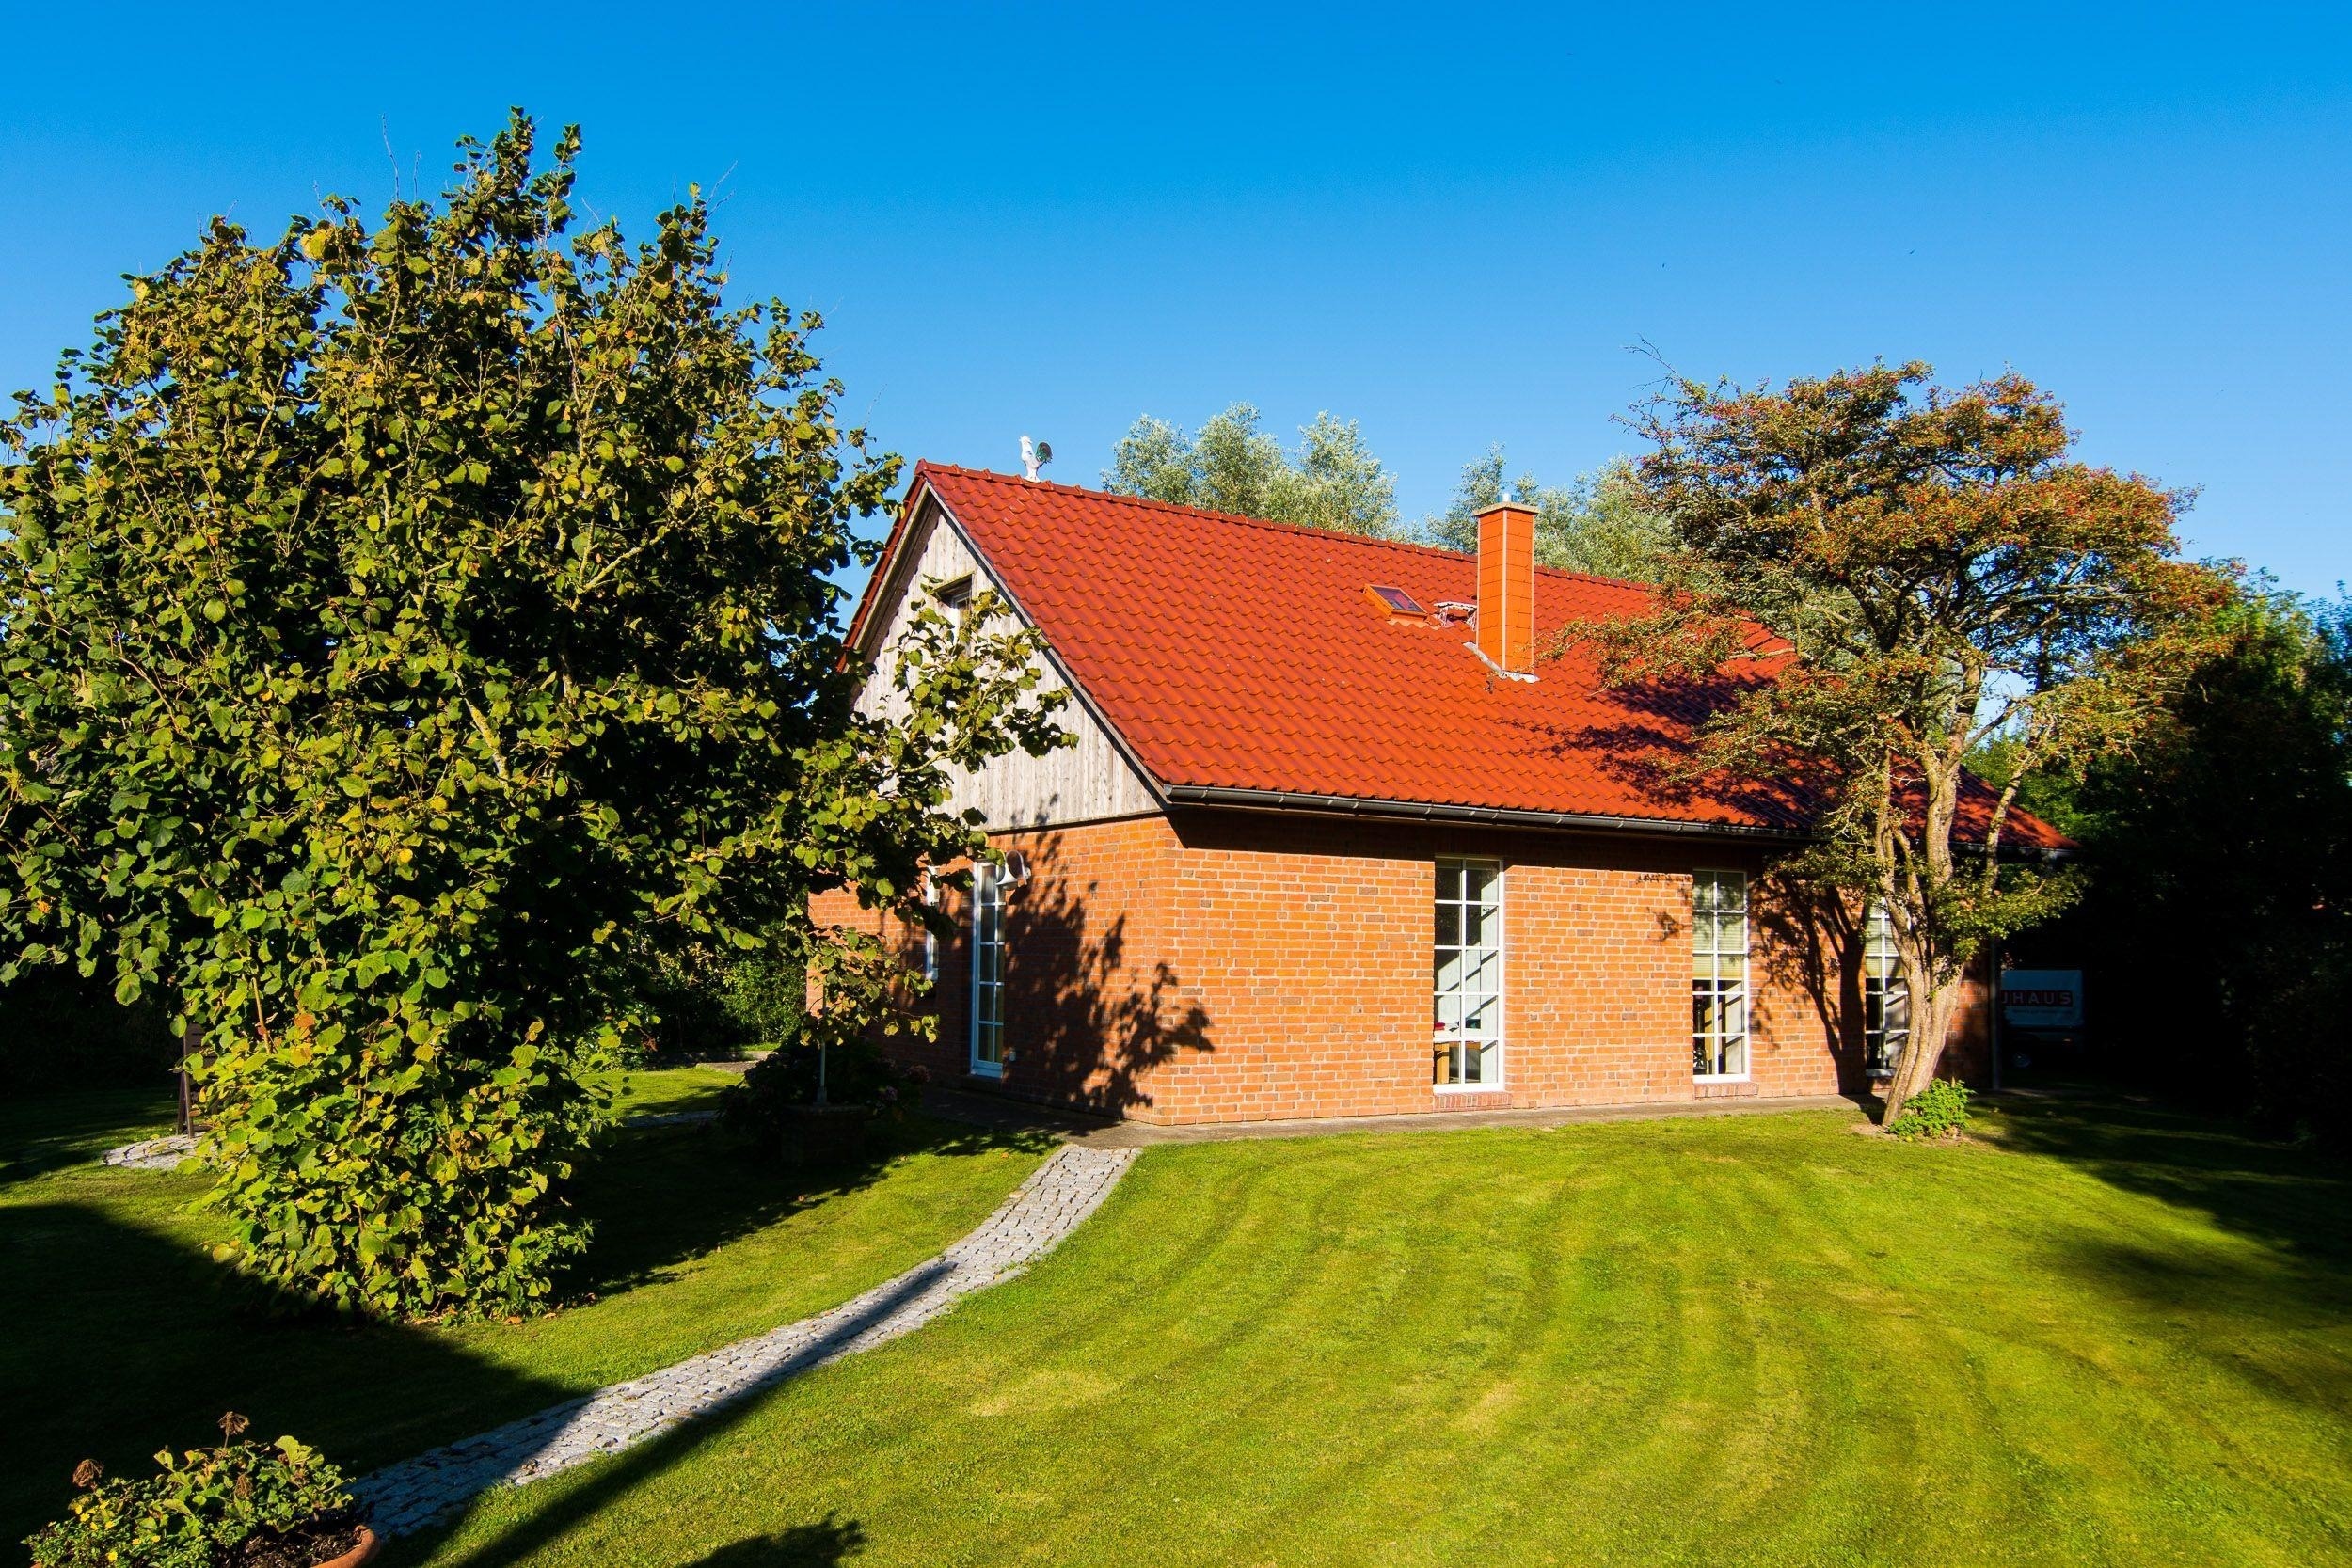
[[1747, 1340]]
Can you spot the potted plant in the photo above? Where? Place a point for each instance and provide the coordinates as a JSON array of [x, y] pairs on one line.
[[240, 1505]]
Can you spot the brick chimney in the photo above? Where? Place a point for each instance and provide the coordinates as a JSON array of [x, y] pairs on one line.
[[1506, 587]]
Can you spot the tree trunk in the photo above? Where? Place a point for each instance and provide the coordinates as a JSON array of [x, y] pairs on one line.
[[1934, 1015]]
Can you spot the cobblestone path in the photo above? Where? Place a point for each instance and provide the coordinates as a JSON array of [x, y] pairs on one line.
[[1052, 1203]]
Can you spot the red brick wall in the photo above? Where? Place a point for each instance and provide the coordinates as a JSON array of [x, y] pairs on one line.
[[1093, 1009], [1228, 966]]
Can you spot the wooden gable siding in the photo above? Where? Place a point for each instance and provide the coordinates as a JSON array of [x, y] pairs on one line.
[[1089, 781]]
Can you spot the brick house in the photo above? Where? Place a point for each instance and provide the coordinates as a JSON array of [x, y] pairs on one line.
[[1337, 839]]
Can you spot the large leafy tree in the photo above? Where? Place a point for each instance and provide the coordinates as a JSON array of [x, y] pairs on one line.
[[1228, 464], [2219, 857], [410, 630], [1936, 569], [1601, 522]]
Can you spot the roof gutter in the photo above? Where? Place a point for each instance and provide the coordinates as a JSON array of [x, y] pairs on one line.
[[1422, 811], [1231, 799]]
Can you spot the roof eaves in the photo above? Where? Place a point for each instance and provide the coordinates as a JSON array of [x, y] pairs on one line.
[[1346, 805]]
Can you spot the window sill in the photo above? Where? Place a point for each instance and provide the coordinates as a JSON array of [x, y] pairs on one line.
[[985, 1069], [1496, 1088], [1720, 1077]]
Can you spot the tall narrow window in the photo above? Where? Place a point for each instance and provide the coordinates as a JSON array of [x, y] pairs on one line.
[[988, 972], [1468, 988], [1719, 974], [930, 938], [1885, 995]]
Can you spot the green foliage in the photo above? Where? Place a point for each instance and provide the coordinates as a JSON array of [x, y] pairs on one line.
[[1231, 465], [1935, 569], [765, 994], [1938, 1110], [711, 1003], [1601, 523], [685, 993], [2219, 857], [855, 1073], [207, 1508], [410, 631]]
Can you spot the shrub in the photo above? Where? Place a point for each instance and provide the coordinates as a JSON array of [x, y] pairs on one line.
[[706, 1001], [760, 1109], [1940, 1110], [685, 996], [764, 989], [240, 1505]]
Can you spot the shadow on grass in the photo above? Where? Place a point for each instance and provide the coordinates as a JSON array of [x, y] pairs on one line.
[[119, 1341], [118, 1336], [2296, 1200], [41, 1132], [661, 1196], [2264, 1315], [500, 1455], [818, 1545]]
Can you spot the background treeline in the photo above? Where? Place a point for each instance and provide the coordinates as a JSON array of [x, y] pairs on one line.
[[1597, 522], [2216, 925]]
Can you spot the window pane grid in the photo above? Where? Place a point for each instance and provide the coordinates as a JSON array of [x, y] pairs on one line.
[[1466, 975], [1719, 974], [1885, 995]]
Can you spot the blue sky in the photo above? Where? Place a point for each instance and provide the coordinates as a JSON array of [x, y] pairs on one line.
[[1449, 222]]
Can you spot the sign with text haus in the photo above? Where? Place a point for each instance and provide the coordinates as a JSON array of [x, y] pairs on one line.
[[2041, 998]]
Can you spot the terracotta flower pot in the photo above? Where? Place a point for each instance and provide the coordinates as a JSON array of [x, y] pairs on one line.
[[365, 1547]]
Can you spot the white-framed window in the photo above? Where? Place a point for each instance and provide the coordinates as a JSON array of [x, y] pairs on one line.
[[1467, 988], [988, 972], [1719, 974], [1885, 995]]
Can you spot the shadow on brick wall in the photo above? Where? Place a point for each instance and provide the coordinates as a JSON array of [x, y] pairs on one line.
[[1811, 947], [1091, 1013]]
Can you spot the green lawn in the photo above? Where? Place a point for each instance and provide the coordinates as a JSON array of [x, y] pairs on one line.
[[117, 1335], [2107, 1335]]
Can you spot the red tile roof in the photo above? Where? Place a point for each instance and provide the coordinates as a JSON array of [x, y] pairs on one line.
[[1234, 653]]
